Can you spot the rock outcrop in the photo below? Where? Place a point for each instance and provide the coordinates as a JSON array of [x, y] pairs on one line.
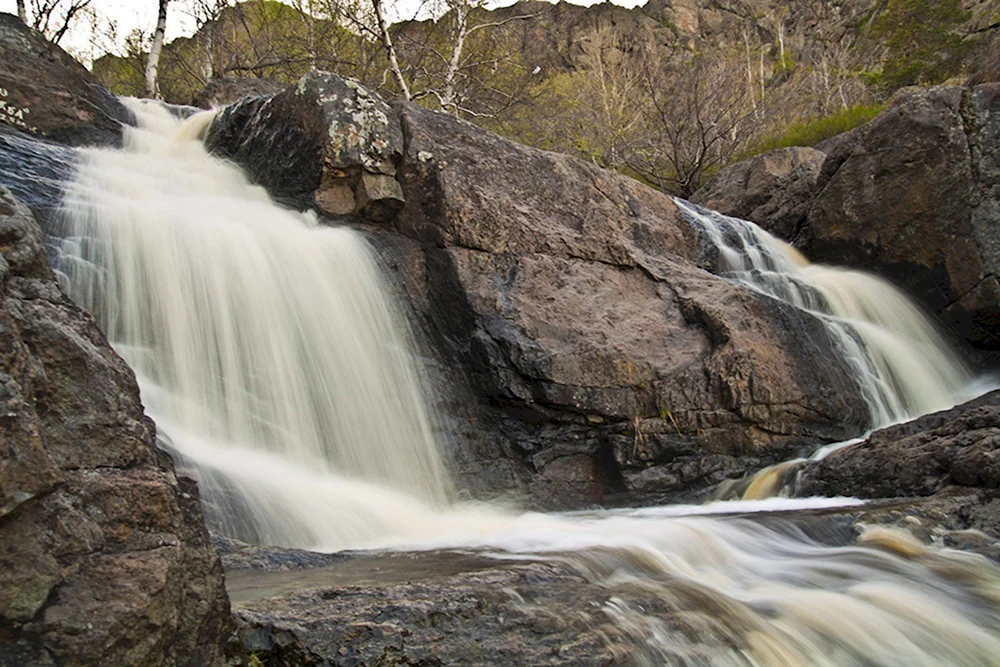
[[913, 196], [601, 355], [47, 94], [957, 447], [337, 145], [940, 472], [776, 187], [104, 556], [917, 200], [441, 608]]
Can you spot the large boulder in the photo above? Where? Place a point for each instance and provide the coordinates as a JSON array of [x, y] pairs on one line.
[[607, 357], [104, 556], [917, 200], [45, 93], [957, 447], [337, 145], [576, 305]]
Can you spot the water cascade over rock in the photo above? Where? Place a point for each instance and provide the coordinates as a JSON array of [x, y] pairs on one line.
[[904, 366], [262, 343], [279, 371]]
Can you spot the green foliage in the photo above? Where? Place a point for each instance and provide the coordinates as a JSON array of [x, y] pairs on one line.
[[253, 39], [923, 47], [784, 63], [811, 132]]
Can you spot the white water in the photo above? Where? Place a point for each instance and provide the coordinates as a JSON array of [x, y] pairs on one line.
[[278, 370], [904, 367], [252, 330]]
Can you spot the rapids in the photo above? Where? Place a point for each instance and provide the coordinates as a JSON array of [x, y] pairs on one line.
[[281, 374]]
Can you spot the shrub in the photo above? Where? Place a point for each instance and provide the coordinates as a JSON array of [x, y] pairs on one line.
[[811, 132]]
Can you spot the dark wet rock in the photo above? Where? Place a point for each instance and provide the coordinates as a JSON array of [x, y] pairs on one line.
[[957, 447], [327, 142], [915, 198], [237, 555], [35, 171], [104, 557], [220, 92], [46, 93], [911, 201], [944, 468], [774, 189]]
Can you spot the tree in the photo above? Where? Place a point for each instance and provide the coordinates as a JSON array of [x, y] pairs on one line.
[[697, 118], [457, 71], [152, 87], [390, 50], [52, 18]]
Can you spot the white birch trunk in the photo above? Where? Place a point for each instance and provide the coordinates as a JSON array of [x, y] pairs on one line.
[[152, 87]]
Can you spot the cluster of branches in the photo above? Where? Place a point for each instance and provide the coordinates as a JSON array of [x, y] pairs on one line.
[[52, 18], [671, 117], [674, 119], [461, 61]]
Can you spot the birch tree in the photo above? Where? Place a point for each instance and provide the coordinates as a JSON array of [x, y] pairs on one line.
[[153, 62], [22, 12], [390, 50]]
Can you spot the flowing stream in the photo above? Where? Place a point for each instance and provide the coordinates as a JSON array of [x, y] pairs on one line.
[[279, 371]]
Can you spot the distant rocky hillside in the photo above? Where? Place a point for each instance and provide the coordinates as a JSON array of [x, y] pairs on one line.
[[669, 92]]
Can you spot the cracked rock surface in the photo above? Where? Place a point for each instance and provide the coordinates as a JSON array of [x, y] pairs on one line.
[[579, 344], [601, 355]]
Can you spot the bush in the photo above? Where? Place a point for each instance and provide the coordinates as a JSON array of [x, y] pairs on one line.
[[811, 132]]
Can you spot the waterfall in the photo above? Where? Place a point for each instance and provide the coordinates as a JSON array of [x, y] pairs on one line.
[[903, 365], [280, 373], [260, 339]]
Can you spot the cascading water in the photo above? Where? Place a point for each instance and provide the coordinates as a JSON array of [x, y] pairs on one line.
[[903, 365], [259, 339], [277, 369]]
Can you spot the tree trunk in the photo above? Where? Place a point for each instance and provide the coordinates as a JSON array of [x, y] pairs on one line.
[[448, 98], [390, 50], [152, 87], [22, 12]]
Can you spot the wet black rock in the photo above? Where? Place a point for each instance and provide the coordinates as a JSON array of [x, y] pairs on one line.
[[327, 142]]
